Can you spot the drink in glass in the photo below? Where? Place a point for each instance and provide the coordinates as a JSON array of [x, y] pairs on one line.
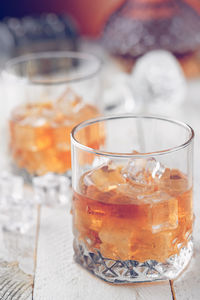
[[52, 92], [132, 209]]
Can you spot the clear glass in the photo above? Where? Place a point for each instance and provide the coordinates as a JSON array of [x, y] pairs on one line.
[[132, 198], [49, 93]]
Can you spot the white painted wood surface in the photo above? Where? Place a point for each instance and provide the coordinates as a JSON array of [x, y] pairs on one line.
[[187, 287], [17, 264]]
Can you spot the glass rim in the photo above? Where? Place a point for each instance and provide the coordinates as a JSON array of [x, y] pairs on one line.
[[131, 155], [54, 55]]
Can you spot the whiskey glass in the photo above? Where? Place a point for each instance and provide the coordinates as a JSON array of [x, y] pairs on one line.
[[132, 198], [49, 93]]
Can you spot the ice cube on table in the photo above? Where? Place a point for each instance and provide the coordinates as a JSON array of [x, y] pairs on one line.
[[20, 218], [158, 80], [16, 206], [11, 188], [52, 189]]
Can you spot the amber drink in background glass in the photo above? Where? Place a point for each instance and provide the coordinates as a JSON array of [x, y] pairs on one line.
[[132, 202], [51, 93]]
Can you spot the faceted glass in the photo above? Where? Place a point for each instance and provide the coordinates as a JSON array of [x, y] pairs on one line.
[[132, 201]]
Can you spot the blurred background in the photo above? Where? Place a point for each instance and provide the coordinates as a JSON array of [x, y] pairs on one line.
[[150, 49], [125, 28]]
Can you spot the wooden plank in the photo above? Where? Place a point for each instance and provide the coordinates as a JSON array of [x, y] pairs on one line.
[[17, 254], [187, 287], [14, 283], [58, 277]]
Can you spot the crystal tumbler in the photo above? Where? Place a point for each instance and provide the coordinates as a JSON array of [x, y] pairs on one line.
[[132, 198]]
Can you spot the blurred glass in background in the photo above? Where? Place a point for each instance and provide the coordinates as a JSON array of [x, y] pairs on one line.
[[47, 32], [128, 28]]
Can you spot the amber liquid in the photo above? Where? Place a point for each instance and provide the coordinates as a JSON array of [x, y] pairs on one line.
[[125, 220], [40, 135]]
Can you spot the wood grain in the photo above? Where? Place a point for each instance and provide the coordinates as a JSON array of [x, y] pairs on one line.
[[187, 286], [14, 283], [16, 264]]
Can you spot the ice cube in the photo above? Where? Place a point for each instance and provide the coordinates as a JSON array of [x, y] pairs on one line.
[[11, 186], [143, 171], [38, 122], [69, 102], [163, 211], [105, 178], [64, 190], [68, 95], [145, 245], [135, 170], [89, 219], [174, 182], [115, 241], [155, 168], [32, 114], [30, 138], [20, 217], [48, 114], [126, 194], [99, 161], [16, 204], [19, 113], [52, 189], [158, 81], [34, 121]]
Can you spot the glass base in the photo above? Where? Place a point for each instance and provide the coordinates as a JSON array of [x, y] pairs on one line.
[[130, 271], [28, 177], [22, 172]]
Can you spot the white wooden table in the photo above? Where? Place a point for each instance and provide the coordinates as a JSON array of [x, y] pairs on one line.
[[55, 276]]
